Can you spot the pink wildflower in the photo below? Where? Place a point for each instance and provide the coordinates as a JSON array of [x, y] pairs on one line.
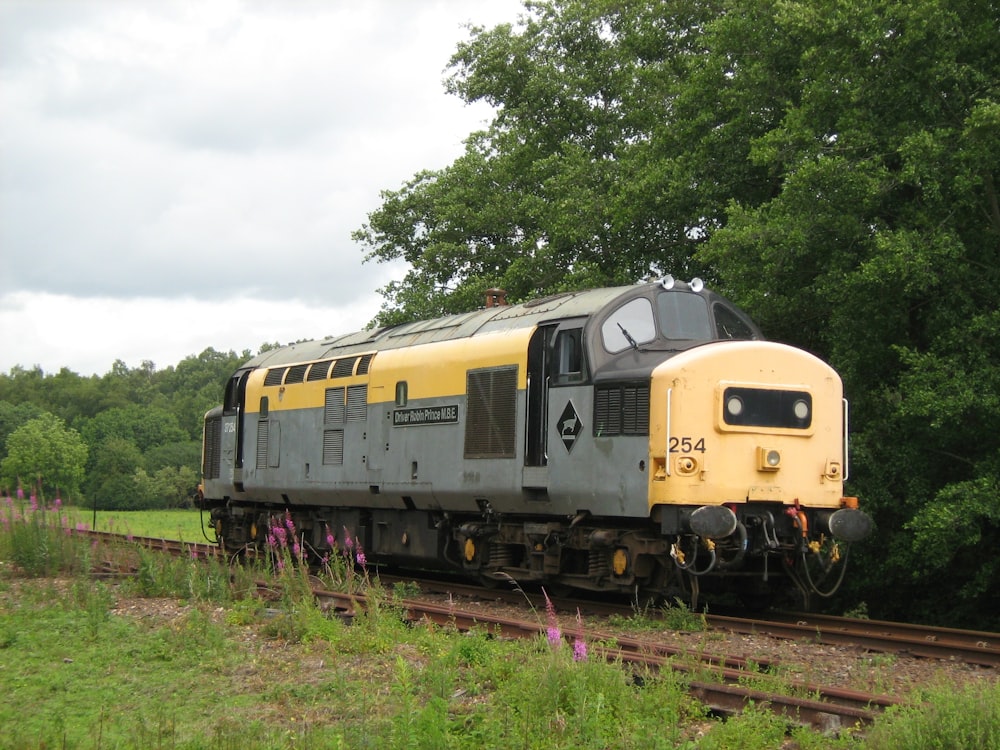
[[289, 523], [329, 538], [553, 633], [57, 503], [348, 542], [34, 502], [360, 555], [579, 645], [20, 492], [194, 554]]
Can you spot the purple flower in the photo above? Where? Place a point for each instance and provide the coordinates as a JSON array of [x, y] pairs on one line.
[[348, 542], [329, 537], [553, 632], [280, 535], [20, 492], [34, 502], [579, 645], [194, 554], [57, 503], [289, 523], [360, 555]]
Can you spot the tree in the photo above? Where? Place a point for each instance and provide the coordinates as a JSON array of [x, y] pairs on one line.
[[146, 427], [546, 198], [45, 454], [13, 416], [880, 252], [830, 164], [111, 475]]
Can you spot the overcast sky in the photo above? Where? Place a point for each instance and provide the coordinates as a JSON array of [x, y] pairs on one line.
[[183, 175]]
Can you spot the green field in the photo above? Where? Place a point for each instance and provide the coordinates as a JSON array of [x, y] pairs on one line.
[[182, 525]]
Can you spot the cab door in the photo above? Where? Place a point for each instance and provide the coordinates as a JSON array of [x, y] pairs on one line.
[[555, 358]]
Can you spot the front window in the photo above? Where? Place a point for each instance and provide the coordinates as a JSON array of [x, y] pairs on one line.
[[683, 315], [628, 326]]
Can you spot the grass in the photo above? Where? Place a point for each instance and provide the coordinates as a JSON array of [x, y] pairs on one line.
[[181, 525], [88, 664]]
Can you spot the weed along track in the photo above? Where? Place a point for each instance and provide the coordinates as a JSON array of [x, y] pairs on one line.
[[828, 673]]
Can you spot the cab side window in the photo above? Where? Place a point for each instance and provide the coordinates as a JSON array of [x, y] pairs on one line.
[[567, 361]]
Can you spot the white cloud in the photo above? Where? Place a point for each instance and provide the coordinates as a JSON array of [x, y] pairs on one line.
[[155, 153]]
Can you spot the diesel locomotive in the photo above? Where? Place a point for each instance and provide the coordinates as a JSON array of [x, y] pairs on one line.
[[643, 440]]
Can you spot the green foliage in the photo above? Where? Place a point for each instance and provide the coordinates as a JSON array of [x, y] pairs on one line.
[[961, 717], [142, 427], [36, 539], [45, 454], [13, 416], [829, 165]]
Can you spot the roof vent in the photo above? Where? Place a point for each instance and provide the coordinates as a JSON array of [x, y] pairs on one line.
[[496, 298]]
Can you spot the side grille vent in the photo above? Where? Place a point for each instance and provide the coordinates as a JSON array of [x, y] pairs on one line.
[[364, 364], [621, 409], [343, 368], [263, 429], [357, 403], [319, 370], [333, 447], [274, 376], [491, 426], [296, 374], [212, 463], [333, 412]]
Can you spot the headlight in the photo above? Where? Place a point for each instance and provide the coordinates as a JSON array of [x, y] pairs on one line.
[[801, 409], [734, 405]]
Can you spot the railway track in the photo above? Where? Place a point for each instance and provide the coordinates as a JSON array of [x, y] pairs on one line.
[[719, 681], [969, 646], [723, 682]]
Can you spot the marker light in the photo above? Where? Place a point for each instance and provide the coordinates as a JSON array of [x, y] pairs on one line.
[[768, 459]]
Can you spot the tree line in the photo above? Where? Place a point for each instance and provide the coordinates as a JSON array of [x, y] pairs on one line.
[[127, 440], [830, 165]]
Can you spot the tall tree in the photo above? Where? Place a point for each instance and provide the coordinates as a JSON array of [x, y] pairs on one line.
[[830, 164], [880, 251], [546, 198]]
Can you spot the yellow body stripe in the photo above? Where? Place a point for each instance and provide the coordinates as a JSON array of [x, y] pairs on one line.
[[430, 370]]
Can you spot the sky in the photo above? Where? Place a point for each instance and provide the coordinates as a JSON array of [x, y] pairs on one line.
[[178, 175]]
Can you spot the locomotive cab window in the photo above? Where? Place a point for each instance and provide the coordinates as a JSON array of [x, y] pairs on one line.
[[729, 325], [629, 326], [568, 360], [683, 316], [401, 393]]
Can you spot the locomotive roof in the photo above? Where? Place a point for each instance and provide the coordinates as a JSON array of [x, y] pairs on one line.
[[464, 325]]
